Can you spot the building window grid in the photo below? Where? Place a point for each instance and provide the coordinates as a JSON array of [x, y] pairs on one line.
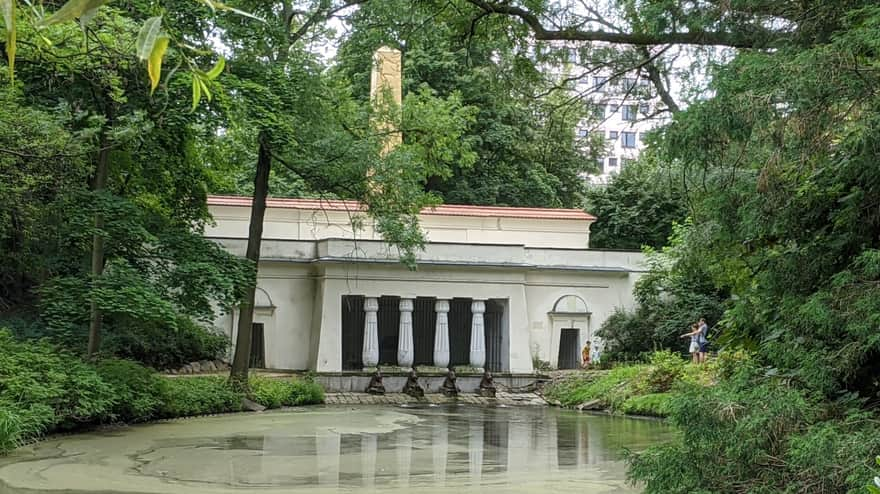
[[612, 135], [629, 112], [629, 140]]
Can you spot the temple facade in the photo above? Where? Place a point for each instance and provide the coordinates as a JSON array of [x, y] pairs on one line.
[[495, 288]]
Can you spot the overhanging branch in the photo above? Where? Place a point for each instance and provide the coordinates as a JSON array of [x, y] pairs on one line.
[[752, 39]]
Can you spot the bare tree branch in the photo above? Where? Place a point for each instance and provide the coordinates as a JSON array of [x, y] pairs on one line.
[[754, 38], [657, 80]]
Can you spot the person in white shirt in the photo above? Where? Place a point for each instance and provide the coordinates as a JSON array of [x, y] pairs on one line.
[[694, 347]]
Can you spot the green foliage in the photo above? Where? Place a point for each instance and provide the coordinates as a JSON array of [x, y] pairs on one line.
[[138, 391], [79, 102], [11, 433], [611, 388], [763, 435], [781, 164], [165, 348], [43, 390], [190, 396], [306, 392], [523, 140], [646, 389], [676, 292], [653, 404], [663, 370], [638, 208], [271, 393], [275, 393], [48, 389]]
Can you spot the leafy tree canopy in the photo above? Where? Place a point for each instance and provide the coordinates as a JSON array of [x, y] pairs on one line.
[[638, 207]]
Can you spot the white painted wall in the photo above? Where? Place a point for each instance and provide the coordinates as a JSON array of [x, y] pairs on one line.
[[287, 327], [306, 270], [316, 224]]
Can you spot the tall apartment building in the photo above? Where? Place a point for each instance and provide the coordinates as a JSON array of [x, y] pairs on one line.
[[623, 110]]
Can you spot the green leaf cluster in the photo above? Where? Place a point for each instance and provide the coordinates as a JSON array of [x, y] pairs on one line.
[[276, 393], [638, 207]]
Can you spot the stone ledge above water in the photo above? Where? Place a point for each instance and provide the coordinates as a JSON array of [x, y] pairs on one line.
[[501, 398], [357, 382]]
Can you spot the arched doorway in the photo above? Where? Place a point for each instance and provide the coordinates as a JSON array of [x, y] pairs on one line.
[[570, 329]]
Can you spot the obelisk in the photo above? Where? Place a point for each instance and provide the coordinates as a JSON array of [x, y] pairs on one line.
[[386, 94]]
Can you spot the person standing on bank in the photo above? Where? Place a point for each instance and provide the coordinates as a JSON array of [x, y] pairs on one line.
[[694, 348], [703, 339], [586, 355]]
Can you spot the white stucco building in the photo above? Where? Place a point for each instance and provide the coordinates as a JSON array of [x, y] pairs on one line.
[[495, 287]]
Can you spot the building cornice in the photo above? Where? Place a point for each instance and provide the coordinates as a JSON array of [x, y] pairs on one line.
[[439, 210]]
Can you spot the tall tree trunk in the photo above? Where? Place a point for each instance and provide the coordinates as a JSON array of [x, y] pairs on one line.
[[99, 184], [241, 360]]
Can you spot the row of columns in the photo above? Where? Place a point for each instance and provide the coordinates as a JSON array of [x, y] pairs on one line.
[[405, 352]]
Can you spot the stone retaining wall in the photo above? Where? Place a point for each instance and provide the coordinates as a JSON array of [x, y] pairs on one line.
[[502, 398]]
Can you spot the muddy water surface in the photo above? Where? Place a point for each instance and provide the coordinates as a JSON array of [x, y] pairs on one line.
[[342, 449]]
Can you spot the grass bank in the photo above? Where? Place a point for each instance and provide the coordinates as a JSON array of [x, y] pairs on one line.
[[636, 389], [45, 390]]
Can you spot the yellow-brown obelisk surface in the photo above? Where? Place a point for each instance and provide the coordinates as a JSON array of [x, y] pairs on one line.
[[386, 95]]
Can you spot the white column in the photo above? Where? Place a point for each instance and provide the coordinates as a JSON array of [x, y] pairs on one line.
[[371, 332], [478, 334], [405, 335], [441, 334]]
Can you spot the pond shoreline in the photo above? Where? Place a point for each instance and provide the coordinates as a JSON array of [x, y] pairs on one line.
[[330, 399], [372, 448]]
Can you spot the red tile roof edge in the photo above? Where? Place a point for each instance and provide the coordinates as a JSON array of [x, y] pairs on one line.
[[441, 210]]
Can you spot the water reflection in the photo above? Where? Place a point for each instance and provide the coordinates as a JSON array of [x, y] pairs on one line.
[[466, 449], [476, 444]]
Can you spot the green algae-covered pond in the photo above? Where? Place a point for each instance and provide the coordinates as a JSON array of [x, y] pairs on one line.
[[342, 449]]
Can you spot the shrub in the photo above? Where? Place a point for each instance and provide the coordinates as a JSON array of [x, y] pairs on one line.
[[138, 390], [306, 392], [274, 393], [665, 368], [162, 347], [199, 396], [49, 388], [729, 362], [271, 393], [754, 433]]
